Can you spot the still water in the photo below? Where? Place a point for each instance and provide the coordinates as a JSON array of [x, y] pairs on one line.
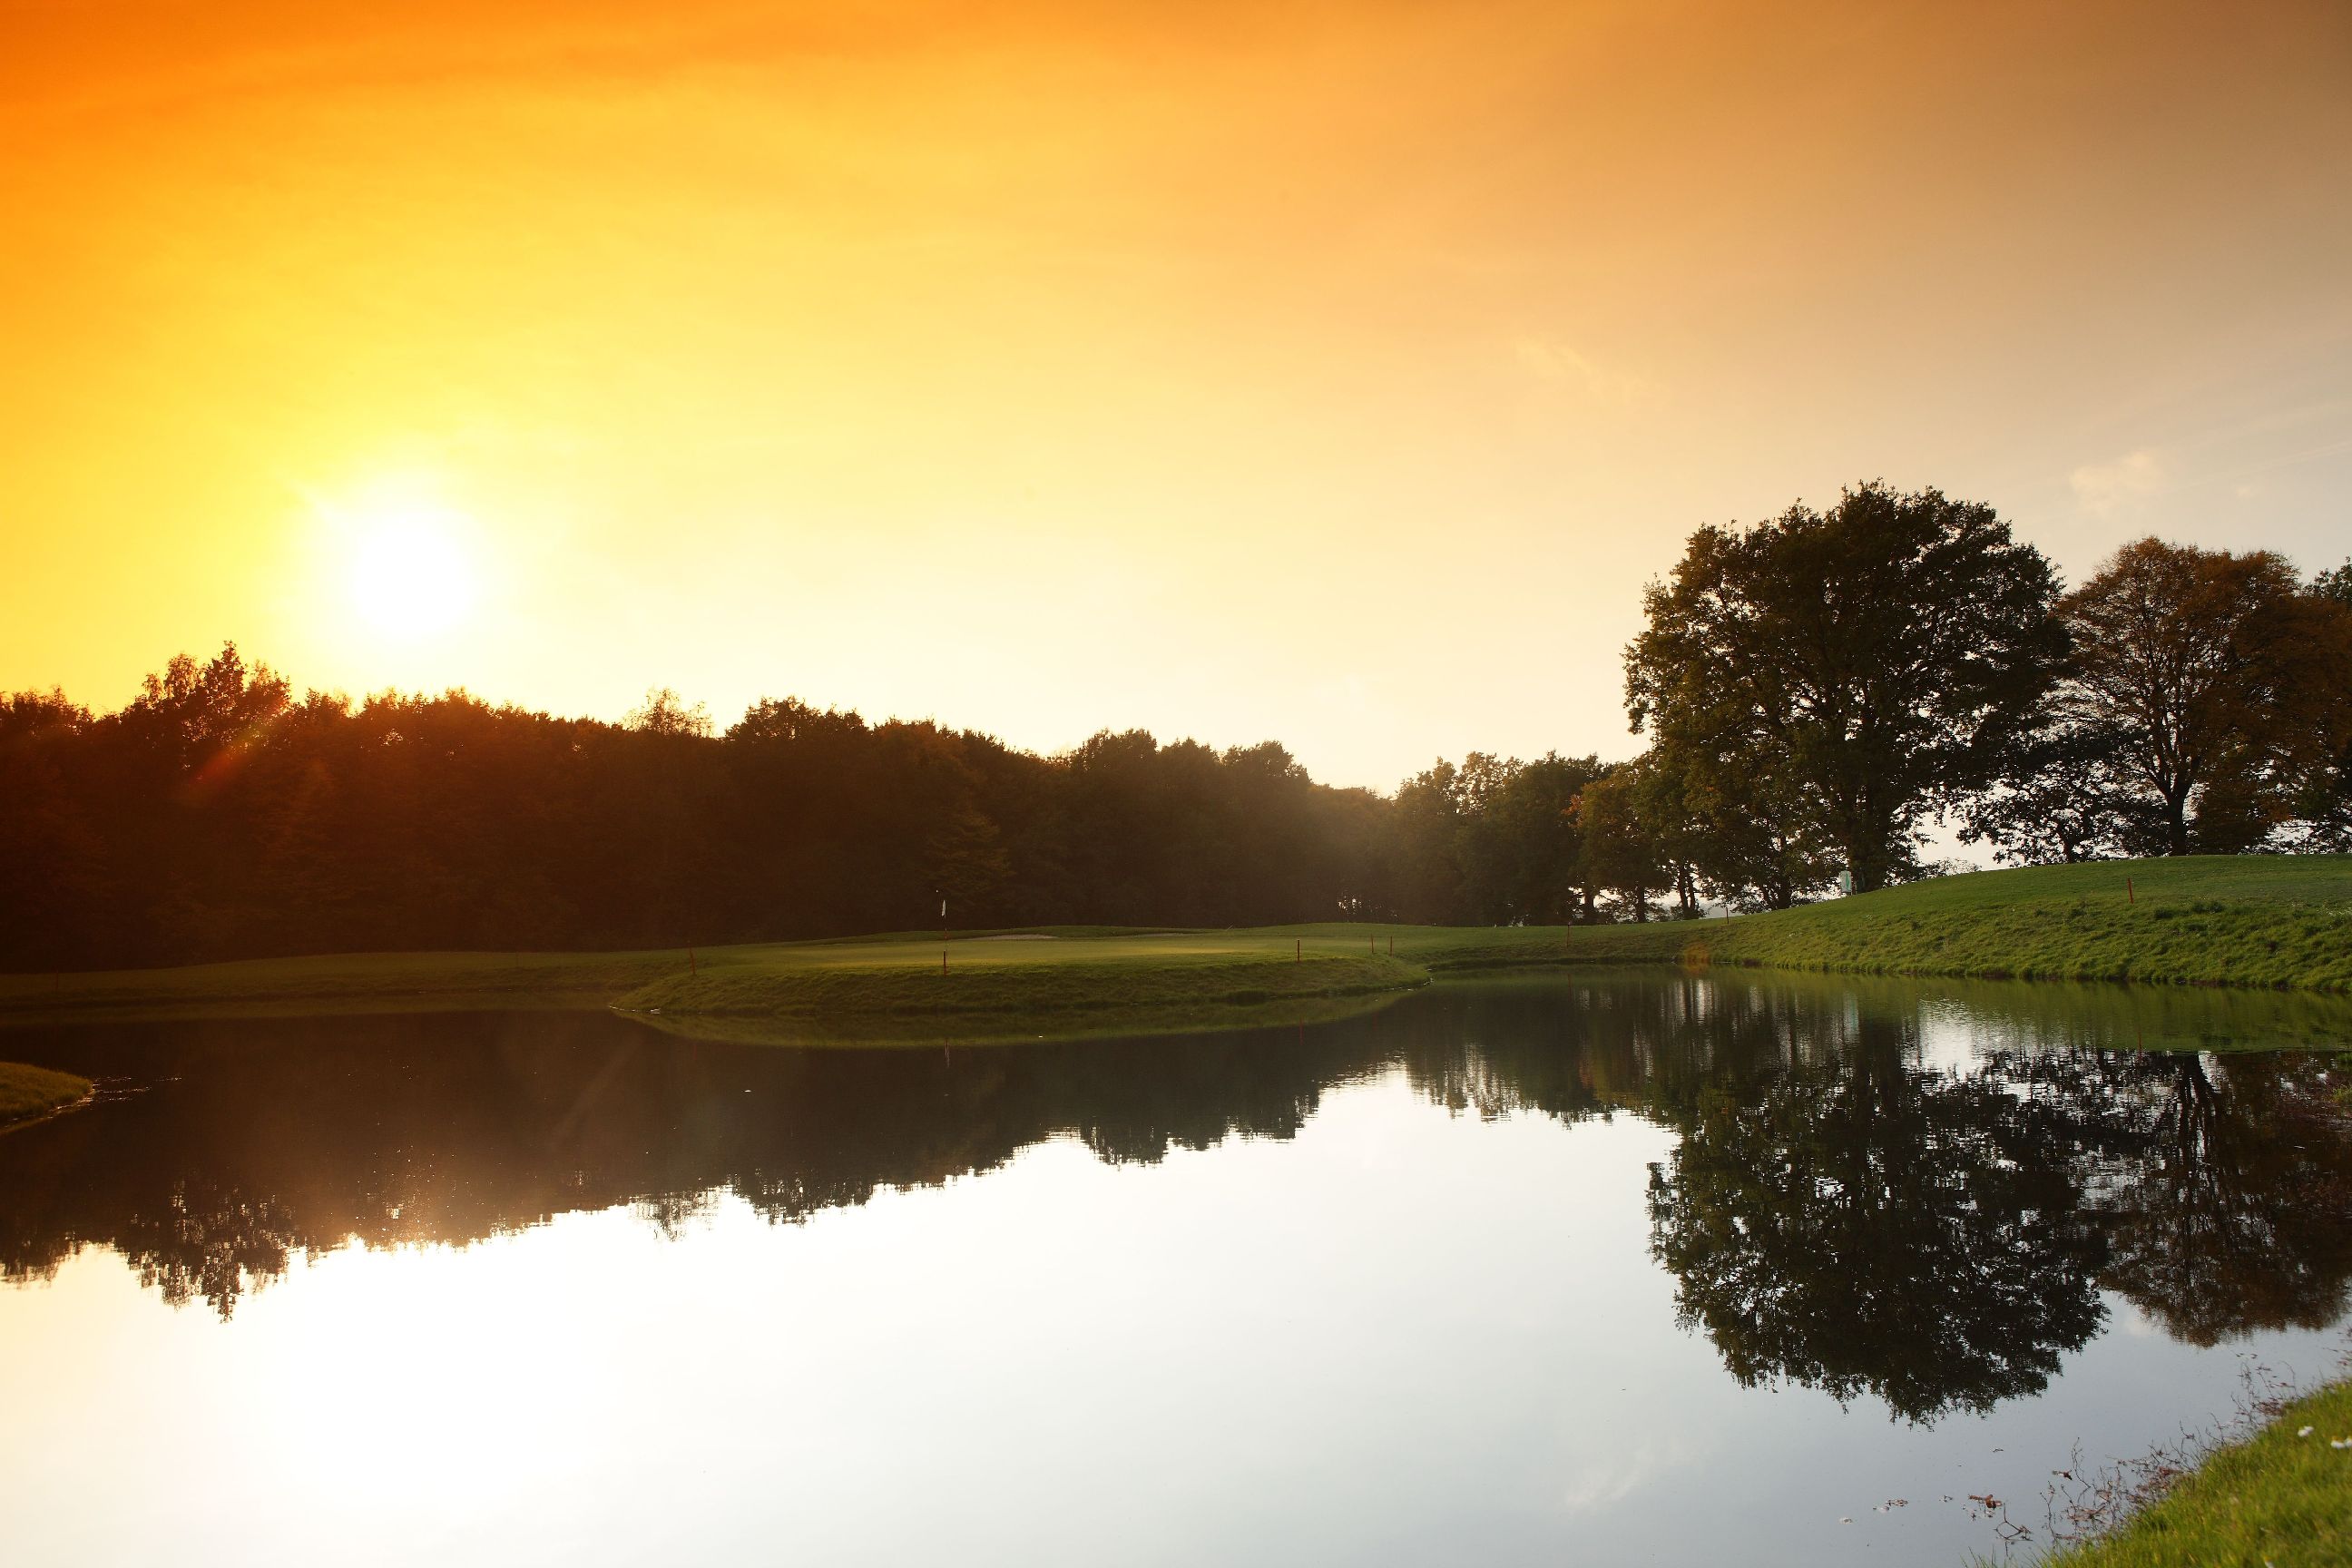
[[1639, 1268]]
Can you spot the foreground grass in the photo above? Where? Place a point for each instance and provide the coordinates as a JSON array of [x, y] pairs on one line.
[[29, 1091], [2283, 1497], [2273, 922]]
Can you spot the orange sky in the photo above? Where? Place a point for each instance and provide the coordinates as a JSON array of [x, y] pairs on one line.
[[1337, 375]]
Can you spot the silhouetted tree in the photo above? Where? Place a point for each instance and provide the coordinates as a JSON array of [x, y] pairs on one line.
[[217, 816], [1620, 844], [1746, 836], [2064, 799], [1874, 663], [1813, 688], [53, 890], [2181, 660]]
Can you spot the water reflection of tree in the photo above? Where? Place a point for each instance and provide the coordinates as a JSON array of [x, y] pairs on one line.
[[253, 1144], [1841, 1215], [2221, 1185], [1853, 1222], [1835, 1213]]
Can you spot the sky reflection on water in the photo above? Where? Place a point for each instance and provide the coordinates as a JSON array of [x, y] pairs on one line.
[[1251, 1297]]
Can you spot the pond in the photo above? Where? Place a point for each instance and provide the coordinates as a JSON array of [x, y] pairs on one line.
[[1617, 1268]]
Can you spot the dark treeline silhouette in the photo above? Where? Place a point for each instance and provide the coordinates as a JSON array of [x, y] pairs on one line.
[[1819, 687], [218, 815], [1815, 690], [1835, 1211]]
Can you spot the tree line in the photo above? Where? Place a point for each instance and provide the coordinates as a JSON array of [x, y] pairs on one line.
[[1815, 691], [1821, 687]]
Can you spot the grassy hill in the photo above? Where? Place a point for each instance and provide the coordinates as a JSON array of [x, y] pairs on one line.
[[2246, 921], [2272, 921]]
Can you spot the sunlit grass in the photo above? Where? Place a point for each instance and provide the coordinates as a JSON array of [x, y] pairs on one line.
[[2283, 1497], [30, 1091], [2270, 920], [1023, 989], [2273, 922]]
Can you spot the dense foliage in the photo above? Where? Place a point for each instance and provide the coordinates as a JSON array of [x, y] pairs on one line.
[[2206, 705], [220, 815], [1821, 687], [1823, 682], [1816, 690]]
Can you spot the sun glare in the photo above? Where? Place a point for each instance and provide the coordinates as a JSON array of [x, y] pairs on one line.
[[409, 572]]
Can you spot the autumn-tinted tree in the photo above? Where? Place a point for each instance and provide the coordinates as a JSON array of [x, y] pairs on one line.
[[2179, 663], [1871, 663], [1494, 841], [1518, 840]]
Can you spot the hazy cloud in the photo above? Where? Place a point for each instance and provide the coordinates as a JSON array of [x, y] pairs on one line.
[[1549, 360], [2101, 489]]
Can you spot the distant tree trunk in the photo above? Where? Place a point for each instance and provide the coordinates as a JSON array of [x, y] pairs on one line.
[[2176, 818]]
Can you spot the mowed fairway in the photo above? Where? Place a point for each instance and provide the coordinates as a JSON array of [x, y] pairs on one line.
[[2268, 921], [1071, 980], [1027, 985]]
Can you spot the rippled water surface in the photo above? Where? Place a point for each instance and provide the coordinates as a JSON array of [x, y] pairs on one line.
[[1618, 1269]]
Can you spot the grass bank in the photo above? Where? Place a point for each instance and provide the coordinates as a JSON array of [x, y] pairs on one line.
[[336, 983], [2250, 920], [2282, 1497], [2273, 922], [1007, 988], [1063, 981], [29, 1091]]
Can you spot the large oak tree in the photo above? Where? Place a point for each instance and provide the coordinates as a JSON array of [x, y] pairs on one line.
[[1876, 662]]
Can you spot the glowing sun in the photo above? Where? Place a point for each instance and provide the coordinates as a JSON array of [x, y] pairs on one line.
[[410, 574]]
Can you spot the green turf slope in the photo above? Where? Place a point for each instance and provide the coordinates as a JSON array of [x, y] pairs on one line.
[[2266, 922], [29, 1091], [2283, 1499]]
